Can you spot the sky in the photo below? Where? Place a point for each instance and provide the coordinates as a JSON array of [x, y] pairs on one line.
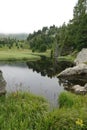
[[27, 16]]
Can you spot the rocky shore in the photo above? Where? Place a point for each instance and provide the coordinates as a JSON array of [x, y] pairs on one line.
[[75, 78]]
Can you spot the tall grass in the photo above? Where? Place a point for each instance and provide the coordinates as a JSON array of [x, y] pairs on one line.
[[22, 111], [68, 100], [72, 114]]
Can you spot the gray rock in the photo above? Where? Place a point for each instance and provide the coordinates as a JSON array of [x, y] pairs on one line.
[[81, 57], [79, 89], [80, 69], [2, 84], [85, 86]]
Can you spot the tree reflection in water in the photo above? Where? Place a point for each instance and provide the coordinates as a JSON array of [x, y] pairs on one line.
[[69, 82], [49, 67]]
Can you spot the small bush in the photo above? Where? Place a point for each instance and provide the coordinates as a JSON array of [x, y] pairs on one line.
[[67, 99], [43, 48], [33, 50]]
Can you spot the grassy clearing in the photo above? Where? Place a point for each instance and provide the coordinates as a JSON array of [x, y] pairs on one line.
[[66, 58], [17, 55], [22, 111], [12, 55], [70, 57]]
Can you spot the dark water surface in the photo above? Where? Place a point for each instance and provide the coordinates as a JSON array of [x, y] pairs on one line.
[[36, 77]]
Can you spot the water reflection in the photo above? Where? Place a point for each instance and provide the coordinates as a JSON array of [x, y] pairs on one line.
[[49, 67], [20, 77], [38, 77], [69, 82]]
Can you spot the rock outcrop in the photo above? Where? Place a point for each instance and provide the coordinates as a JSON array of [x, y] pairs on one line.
[[80, 69], [81, 57], [2, 84], [75, 78]]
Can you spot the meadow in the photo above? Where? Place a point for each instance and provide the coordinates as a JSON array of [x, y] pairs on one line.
[[20, 54]]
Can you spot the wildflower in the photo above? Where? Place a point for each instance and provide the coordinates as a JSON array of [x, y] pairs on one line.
[[79, 122], [15, 94]]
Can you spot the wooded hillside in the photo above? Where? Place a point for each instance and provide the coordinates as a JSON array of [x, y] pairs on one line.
[[66, 38]]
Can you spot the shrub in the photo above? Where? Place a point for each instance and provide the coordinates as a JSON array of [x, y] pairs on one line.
[[67, 99], [33, 50], [43, 48]]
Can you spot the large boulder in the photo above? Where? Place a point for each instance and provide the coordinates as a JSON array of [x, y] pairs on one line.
[[2, 84], [72, 76], [80, 69], [81, 57]]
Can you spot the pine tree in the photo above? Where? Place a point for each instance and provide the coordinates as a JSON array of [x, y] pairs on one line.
[[80, 24]]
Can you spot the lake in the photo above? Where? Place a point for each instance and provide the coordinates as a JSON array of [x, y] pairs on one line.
[[36, 77]]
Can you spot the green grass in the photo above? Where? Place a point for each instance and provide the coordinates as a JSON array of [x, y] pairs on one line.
[[66, 58], [22, 111], [68, 100], [71, 57], [71, 115], [12, 55]]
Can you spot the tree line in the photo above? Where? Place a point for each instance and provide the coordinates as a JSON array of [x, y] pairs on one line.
[[66, 38], [63, 40]]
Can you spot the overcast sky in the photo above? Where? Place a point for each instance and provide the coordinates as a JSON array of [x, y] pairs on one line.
[[28, 15]]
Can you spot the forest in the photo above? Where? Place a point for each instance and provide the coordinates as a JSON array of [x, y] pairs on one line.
[[66, 38]]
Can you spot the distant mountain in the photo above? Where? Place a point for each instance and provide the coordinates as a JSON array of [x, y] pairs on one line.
[[18, 36]]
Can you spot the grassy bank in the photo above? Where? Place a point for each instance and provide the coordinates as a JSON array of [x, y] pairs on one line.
[[22, 111], [66, 58], [14, 55], [72, 114], [70, 57], [27, 54]]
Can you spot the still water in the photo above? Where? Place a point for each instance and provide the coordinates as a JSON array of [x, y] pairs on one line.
[[34, 77]]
